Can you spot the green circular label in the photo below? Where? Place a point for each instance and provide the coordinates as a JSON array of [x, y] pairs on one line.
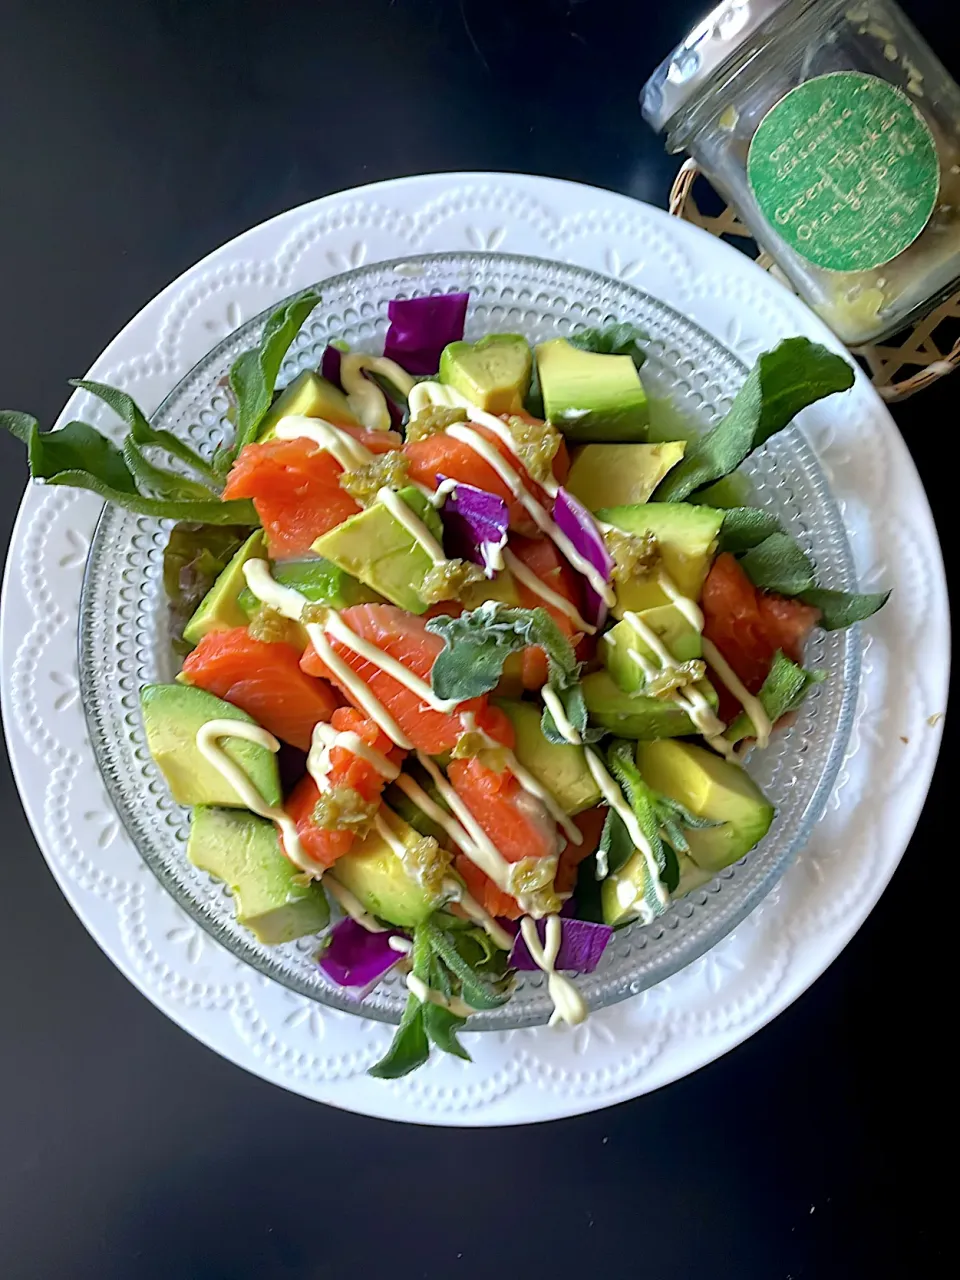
[[846, 170]]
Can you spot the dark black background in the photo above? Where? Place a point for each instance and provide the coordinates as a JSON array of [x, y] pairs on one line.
[[136, 136]]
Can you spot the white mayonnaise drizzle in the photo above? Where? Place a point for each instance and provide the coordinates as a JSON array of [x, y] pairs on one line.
[[614, 798], [403, 945], [340, 444], [351, 905], [753, 706], [325, 738], [567, 731], [691, 700], [530, 580], [409, 519], [366, 400], [687, 607], [569, 1005], [208, 744]]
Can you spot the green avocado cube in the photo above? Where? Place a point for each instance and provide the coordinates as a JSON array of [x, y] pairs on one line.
[[220, 608], [269, 895], [377, 549], [633, 715], [560, 767], [713, 788], [376, 875], [687, 538], [493, 373], [319, 582], [172, 714], [589, 396], [308, 396], [615, 475], [679, 637]]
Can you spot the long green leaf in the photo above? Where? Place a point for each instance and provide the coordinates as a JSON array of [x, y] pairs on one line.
[[212, 511], [127, 409], [476, 992], [746, 527], [159, 483], [613, 340], [782, 382], [441, 1027], [409, 1048], [778, 564], [254, 374], [615, 842], [642, 800], [783, 691], [78, 447], [839, 609]]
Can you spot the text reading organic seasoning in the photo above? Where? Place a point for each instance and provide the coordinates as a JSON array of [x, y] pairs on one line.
[[846, 169]]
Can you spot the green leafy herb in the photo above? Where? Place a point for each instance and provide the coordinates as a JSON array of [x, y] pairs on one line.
[[782, 382], [254, 373], [615, 842], [79, 456], [588, 893], [442, 1026], [478, 643], [778, 564], [474, 989], [839, 609], [127, 409], [642, 800], [613, 340], [783, 691], [157, 482], [409, 1048], [746, 527]]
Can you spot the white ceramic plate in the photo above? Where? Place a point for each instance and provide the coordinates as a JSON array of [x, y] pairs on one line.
[[536, 1073]]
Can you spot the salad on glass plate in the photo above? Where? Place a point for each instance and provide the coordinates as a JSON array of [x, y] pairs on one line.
[[475, 646]]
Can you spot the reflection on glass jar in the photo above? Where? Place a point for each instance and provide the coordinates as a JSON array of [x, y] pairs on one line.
[[834, 131]]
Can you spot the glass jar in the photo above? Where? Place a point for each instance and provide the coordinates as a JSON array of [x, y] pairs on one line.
[[834, 131]]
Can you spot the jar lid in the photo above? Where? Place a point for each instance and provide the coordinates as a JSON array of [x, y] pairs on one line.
[[708, 47]]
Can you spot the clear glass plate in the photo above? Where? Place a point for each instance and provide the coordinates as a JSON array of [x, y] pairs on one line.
[[124, 643]]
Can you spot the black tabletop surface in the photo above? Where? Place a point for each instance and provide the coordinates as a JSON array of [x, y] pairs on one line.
[[136, 136]]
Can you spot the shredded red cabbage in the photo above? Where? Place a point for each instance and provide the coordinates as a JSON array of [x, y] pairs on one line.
[[421, 327], [330, 365], [573, 519], [474, 525], [357, 959], [581, 947]]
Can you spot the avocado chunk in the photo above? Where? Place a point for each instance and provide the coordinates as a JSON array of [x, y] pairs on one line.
[[493, 373], [622, 892], [502, 588], [269, 895], [710, 787], [679, 637], [687, 537], [620, 475], [377, 877], [220, 608], [589, 396], [376, 548], [319, 581], [308, 396], [691, 876], [561, 768], [172, 714], [633, 715]]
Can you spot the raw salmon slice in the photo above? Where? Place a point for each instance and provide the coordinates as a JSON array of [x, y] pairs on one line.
[[295, 487], [748, 626], [264, 679], [544, 560], [516, 822], [347, 770], [406, 638]]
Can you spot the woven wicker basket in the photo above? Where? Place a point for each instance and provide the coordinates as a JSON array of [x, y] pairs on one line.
[[913, 360]]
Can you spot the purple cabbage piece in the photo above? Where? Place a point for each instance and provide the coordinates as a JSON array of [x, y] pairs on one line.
[[573, 519], [474, 525], [581, 947], [356, 959], [421, 327], [330, 366]]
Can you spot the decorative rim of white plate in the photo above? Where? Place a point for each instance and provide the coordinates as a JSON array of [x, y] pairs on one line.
[[628, 1049]]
